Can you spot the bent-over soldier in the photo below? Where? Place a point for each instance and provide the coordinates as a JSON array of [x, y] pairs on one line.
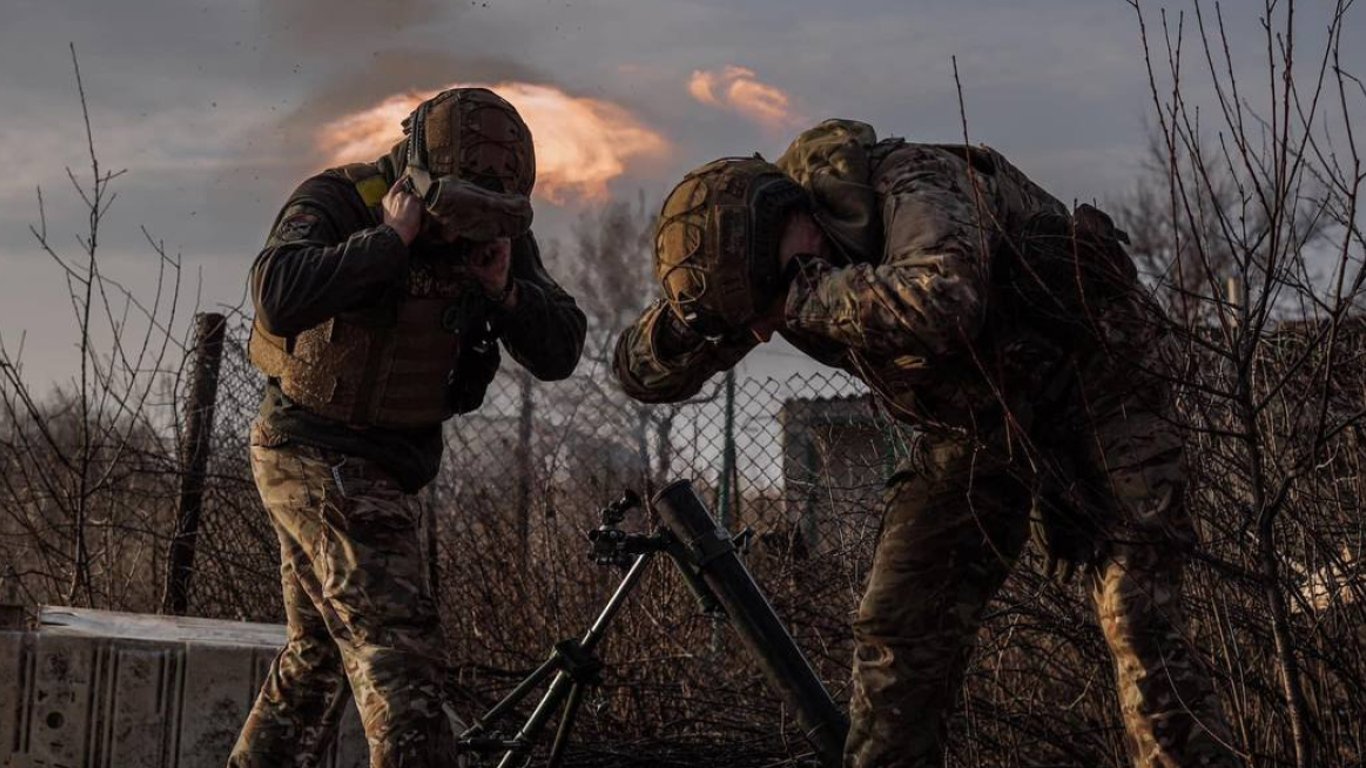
[[1013, 335]]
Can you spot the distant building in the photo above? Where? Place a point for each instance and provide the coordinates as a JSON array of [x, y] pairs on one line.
[[837, 456]]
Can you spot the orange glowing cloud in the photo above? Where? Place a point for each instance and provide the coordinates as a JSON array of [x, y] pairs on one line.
[[581, 143], [739, 90]]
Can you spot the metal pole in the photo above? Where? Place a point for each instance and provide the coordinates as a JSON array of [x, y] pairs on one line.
[[713, 555], [725, 503], [208, 356], [571, 711], [728, 490], [618, 599], [1236, 308], [525, 423], [561, 685]]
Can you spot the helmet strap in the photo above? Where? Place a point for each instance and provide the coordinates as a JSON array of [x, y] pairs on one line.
[[419, 178], [770, 205]]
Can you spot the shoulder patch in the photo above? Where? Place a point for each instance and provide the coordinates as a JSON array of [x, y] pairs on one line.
[[296, 227], [372, 190]]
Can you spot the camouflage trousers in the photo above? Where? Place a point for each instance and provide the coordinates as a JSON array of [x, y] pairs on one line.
[[361, 616], [954, 525]]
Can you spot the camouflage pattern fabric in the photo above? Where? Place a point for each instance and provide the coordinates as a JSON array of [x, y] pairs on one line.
[[913, 325], [955, 523], [1014, 416], [361, 615]]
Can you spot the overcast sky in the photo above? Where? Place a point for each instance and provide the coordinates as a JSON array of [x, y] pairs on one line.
[[213, 106]]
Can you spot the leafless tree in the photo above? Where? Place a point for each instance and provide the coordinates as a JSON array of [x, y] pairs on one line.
[[610, 266], [78, 461], [1251, 229]]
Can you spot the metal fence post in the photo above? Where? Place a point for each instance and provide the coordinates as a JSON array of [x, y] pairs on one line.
[[727, 503], [199, 409], [525, 427]]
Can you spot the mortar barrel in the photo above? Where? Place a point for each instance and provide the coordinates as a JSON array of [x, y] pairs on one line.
[[787, 670]]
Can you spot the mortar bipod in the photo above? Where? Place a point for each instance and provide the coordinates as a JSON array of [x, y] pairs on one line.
[[706, 555], [572, 663]]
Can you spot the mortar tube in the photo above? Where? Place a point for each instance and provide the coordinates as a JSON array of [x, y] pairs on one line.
[[787, 670]]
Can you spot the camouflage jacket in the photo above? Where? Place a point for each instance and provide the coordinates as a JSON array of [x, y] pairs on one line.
[[908, 307], [328, 253]]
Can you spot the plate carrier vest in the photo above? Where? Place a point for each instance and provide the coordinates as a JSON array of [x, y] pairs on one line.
[[389, 368]]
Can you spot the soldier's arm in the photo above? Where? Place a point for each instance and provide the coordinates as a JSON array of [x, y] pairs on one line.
[[323, 257], [658, 360], [928, 296], [544, 332]]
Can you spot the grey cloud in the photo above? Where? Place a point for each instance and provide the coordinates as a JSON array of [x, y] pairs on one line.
[[382, 73], [211, 104], [318, 25]]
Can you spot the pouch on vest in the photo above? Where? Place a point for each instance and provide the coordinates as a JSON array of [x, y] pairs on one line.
[[388, 365], [1059, 272]]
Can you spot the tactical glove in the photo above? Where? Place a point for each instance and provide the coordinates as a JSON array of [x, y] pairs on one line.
[[474, 371], [1063, 531], [674, 337]]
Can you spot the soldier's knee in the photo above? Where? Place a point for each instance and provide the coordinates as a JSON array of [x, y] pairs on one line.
[[880, 621], [314, 653], [380, 614], [401, 651], [911, 653], [1140, 574]]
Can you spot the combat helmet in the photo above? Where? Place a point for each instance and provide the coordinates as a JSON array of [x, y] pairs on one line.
[[470, 157], [716, 246]]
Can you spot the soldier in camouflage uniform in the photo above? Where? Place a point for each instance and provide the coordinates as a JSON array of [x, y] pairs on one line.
[[1013, 336], [381, 297]]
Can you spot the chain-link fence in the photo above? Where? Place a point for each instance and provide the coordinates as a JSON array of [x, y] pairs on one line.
[[802, 461]]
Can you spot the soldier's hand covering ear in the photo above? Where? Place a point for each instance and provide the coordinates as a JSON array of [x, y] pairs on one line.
[[402, 211], [772, 320]]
